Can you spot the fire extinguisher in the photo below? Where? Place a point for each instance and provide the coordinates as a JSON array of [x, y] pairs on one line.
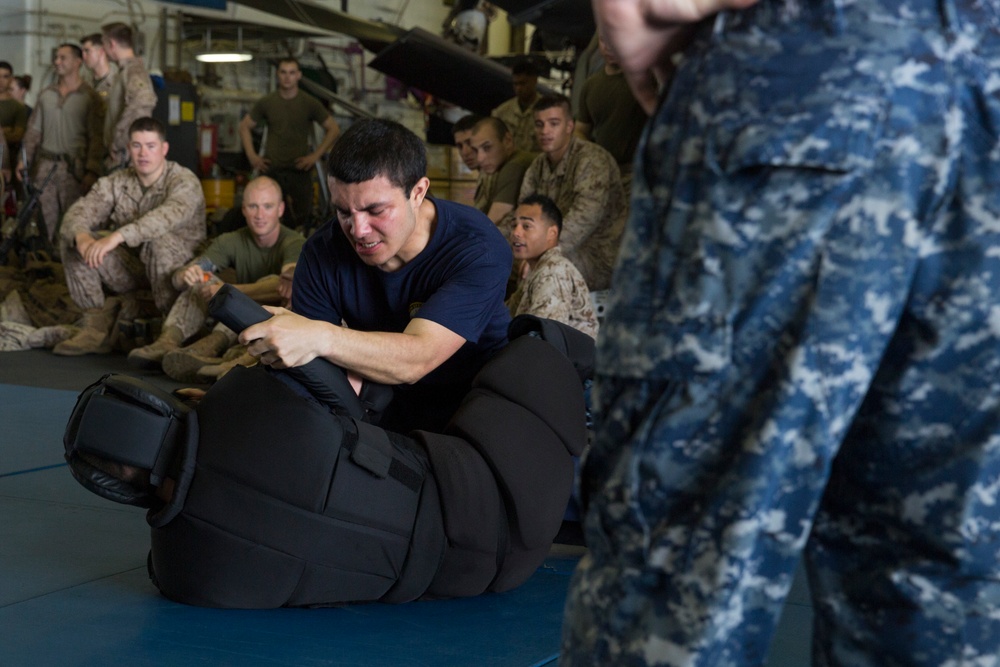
[[208, 147]]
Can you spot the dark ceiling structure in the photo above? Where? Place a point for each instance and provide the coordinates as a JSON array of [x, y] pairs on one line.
[[573, 19], [417, 57], [426, 61]]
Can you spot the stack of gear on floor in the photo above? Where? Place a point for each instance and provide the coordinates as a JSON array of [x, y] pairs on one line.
[[278, 500]]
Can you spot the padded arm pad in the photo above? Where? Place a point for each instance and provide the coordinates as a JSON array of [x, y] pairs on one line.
[[326, 382], [578, 347]]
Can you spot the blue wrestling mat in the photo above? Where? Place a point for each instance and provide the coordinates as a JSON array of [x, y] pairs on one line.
[[74, 589]]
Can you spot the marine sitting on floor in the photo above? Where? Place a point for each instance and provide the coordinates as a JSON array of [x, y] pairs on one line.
[[130, 232], [259, 253]]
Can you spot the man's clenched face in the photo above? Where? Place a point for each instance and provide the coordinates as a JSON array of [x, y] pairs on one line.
[[379, 219]]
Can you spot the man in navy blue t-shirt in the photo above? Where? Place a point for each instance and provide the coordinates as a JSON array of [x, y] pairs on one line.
[[418, 282]]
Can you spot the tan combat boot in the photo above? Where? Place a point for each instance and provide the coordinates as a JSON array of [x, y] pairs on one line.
[[183, 364], [150, 356], [214, 372], [94, 336]]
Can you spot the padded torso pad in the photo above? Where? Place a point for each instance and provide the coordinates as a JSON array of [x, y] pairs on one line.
[[278, 514]]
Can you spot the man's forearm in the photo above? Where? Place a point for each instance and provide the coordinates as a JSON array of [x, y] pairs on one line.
[[389, 358], [288, 340], [330, 138], [263, 291], [246, 138]]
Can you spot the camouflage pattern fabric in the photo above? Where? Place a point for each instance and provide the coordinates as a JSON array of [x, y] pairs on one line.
[[586, 186], [162, 227], [106, 84], [63, 132], [41, 289], [555, 290], [131, 97], [61, 192], [520, 123], [802, 349], [189, 314]]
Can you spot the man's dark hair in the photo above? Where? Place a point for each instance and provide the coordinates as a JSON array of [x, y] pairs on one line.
[[524, 66], [289, 59], [550, 211], [6, 65], [374, 147], [147, 124], [77, 51], [93, 38], [499, 127], [466, 123], [554, 100], [24, 80], [120, 32]]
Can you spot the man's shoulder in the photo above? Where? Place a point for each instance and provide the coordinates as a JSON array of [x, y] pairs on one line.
[[456, 218], [289, 235], [554, 262], [268, 99], [589, 154], [519, 161], [176, 172], [307, 100], [329, 242], [132, 65], [536, 162], [505, 107], [47, 91], [467, 228], [227, 239]]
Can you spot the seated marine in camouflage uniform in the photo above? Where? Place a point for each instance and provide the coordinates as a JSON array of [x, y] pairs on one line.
[[583, 180], [262, 253], [550, 287], [500, 158], [132, 230]]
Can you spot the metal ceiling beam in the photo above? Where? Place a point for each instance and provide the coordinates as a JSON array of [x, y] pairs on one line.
[[330, 96]]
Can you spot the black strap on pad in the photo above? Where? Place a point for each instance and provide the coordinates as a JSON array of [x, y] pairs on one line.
[[373, 450]]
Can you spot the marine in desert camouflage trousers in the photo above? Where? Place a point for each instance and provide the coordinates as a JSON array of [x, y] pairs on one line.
[[58, 195], [189, 314], [125, 270]]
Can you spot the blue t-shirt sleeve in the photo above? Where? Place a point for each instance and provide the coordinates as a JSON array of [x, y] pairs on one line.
[[314, 287]]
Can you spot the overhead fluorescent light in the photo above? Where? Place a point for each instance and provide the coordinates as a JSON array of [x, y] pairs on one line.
[[208, 55], [224, 57]]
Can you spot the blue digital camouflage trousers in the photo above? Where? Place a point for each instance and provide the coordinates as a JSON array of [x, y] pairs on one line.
[[804, 353]]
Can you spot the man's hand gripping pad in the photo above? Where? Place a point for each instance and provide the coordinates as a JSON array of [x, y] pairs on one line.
[[326, 382]]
